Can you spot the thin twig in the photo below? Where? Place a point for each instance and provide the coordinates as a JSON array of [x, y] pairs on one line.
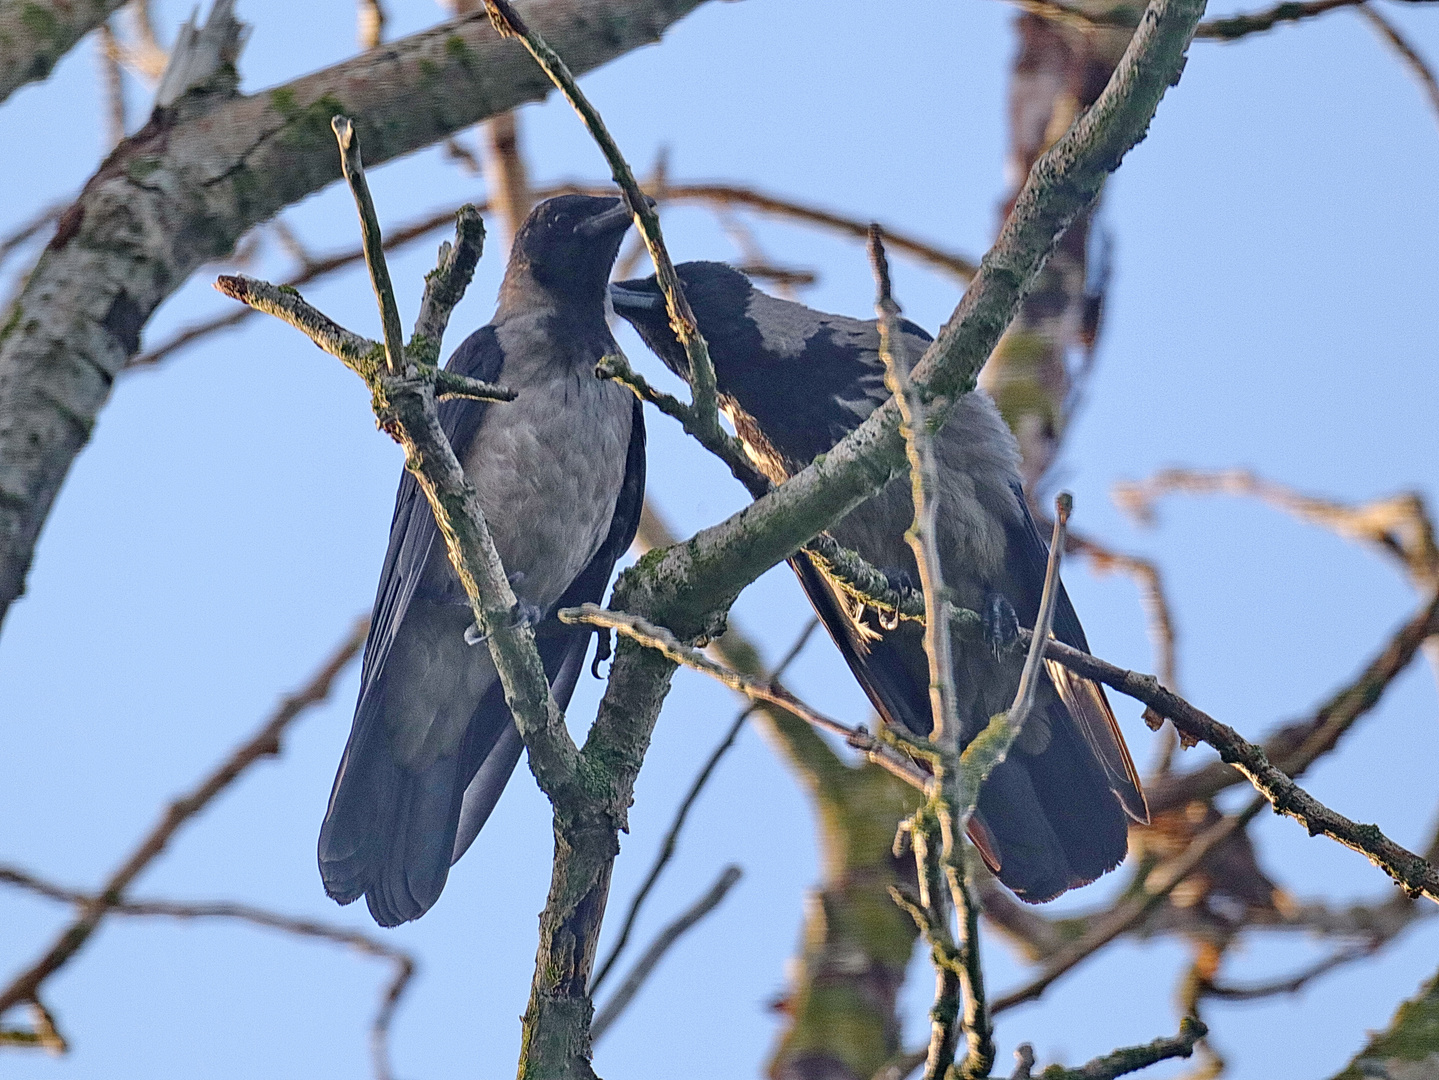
[[1412, 873], [370, 23], [114, 81], [1231, 28], [361, 355], [507, 21], [937, 822], [665, 643], [1133, 1058], [990, 747], [1407, 53], [1397, 527], [671, 839], [404, 963], [445, 285], [1158, 884], [610, 1011], [1294, 747], [265, 743], [373, 243], [922, 535], [1294, 983]]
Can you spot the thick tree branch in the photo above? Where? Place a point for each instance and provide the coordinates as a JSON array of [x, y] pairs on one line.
[[34, 34], [25, 987], [199, 175]]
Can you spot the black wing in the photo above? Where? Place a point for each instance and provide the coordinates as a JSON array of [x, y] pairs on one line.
[[1085, 699], [412, 530]]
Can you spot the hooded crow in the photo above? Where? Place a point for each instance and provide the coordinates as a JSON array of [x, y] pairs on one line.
[[560, 474], [795, 381]]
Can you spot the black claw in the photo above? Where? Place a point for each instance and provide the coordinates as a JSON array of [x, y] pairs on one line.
[[901, 581], [602, 650], [526, 614], [1000, 623]]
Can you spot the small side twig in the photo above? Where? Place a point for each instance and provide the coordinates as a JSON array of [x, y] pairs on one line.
[[1407, 53], [1133, 1058], [507, 22], [664, 642], [372, 242], [610, 1011]]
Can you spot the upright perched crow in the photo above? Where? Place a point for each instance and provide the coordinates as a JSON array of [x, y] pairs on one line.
[[795, 381], [560, 474]]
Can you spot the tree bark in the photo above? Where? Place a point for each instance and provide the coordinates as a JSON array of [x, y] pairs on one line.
[[34, 34]]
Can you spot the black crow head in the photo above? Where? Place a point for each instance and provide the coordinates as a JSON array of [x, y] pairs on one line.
[[719, 296], [567, 246]]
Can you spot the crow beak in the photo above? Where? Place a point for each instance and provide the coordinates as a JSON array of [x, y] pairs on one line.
[[634, 299], [616, 218]]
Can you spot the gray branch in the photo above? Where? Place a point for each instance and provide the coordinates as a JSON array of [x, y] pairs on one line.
[[34, 34]]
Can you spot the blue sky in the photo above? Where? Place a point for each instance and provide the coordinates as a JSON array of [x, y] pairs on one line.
[[1276, 245]]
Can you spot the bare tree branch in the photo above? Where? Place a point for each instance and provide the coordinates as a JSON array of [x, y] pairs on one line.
[[1412, 873], [25, 987], [664, 642], [1407, 53], [403, 962], [199, 175], [664, 941], [1231, 28], [671, 838], [34, 34], [1294, 747]]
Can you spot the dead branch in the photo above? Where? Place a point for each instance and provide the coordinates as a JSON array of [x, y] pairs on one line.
[[26, 986]]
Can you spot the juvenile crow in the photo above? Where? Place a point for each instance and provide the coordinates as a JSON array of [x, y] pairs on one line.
[[560, 475], [795, 381]]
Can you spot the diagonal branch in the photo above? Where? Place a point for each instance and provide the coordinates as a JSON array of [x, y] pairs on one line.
[[702, 376], [1407, 53], [664, 941], [25, 987], [758, 691], [403, 962]]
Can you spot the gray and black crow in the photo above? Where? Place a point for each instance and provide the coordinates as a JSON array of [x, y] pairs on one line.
[[560, 474], [795, 381]]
